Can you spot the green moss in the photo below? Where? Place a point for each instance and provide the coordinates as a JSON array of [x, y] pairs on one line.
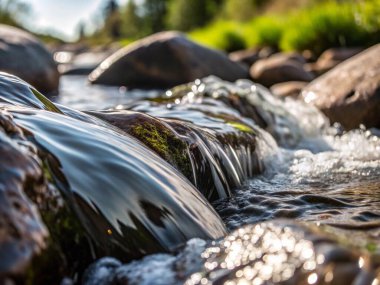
[[371, 247], [164, 142], [241, 127], [68, 251]]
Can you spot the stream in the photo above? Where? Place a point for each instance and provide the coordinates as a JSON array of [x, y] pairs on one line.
[[313, 172], [207, 183]]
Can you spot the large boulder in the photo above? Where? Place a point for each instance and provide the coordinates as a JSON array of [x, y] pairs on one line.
[[350, 93], [23, 55], [164, 60], [280, 68]]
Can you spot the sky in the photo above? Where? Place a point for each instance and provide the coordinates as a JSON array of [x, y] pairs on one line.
[[64, 16]]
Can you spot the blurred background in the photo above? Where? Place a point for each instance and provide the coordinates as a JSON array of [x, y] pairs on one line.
[[227, 25]]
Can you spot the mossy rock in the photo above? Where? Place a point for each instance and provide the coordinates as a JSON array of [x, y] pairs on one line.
[[155, 134]]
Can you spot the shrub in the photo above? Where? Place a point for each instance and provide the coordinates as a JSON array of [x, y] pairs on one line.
[[220, 35], [324, 26], [264, 31]]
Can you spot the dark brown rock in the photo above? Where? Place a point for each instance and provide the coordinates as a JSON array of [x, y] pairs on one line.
[[331, 58], [280, 68], [288, 89], [339, 54], [164, 60], [23, 55], [350, 93], [22, 233]]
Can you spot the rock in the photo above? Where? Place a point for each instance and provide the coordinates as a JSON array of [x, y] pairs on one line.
[[247, 57], [199, 151], [280, 68], [349, 93], [331, 58], [289, 56], [164, 60], [274, 252], [155, 133], [339, 54], [139, 215], [22, 233], [288, 89], [23, 55], [285, 252]]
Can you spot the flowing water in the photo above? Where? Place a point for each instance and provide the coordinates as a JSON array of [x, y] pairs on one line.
[[256, 158], [313, 172]]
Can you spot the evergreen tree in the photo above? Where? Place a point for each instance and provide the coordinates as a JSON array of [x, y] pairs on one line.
[[12, 11], [154, 14], [112, 20], [186, 15], [131, 27], [239, 10]]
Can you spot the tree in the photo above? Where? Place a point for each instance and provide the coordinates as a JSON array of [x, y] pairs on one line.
[[81, 31], [239, 10], [186, 15], [12, 11], [154, 14], [112, 23], [131, 26]]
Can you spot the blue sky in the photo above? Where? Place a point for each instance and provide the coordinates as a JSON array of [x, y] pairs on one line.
[[63, 16]]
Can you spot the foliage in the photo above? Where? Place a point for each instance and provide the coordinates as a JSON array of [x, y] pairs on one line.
[[264, 31], [155, 12], [221, 35], [185, 15], [239, 10], [11, 11], [330, 25], [317, 28]]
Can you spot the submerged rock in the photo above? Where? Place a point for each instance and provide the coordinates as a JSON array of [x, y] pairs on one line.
[[349, 93], [164, 60], [216, 152], [23, 55], [274, 252], [100, 212], [156, 134]]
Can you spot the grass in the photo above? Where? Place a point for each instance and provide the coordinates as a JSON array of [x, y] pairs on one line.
[[222, 35], [324, 25]]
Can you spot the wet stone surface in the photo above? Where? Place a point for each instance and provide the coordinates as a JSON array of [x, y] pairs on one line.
[[276, 252], [22, 232]]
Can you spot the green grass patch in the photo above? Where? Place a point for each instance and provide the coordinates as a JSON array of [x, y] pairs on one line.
[[222, 35], [264, 31], [317, 28]]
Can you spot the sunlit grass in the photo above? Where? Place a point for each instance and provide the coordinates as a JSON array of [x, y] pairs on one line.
[[330, 24], [264, 31], [222, 35]]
